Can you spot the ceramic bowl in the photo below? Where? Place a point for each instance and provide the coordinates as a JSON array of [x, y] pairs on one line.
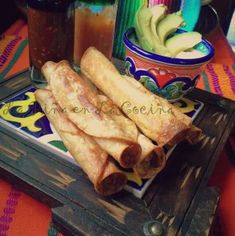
[[168, 77]]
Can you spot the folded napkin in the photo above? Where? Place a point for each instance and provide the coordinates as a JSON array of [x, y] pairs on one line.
[[219, 79], [14, 50]]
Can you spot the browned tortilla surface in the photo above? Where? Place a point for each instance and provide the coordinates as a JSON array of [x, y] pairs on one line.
[[105, 176], [155, 117]]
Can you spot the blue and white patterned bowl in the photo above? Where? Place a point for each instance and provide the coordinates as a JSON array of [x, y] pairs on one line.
[[168, 77]]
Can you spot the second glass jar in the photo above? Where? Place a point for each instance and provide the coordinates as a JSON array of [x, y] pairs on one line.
[[51, 34], [94, 26]]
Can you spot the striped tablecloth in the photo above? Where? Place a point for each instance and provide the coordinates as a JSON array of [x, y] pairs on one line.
[[14, 50], [219, 79]]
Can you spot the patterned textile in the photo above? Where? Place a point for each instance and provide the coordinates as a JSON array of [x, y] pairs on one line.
[[14, 50], [22, 215], [219, 79]]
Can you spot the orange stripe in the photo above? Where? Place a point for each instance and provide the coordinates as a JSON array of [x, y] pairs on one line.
[[16, 25], [21, 64], [224, 81], [210, 82], [200, 83], [12, 53], [31, 218], [5, 188]]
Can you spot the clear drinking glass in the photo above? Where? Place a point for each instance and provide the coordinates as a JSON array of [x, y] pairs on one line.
[[94, 26], [51, 34]]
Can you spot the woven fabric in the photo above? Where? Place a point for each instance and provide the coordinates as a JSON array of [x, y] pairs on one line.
[[219, 79], [14, 50], [21, 214]]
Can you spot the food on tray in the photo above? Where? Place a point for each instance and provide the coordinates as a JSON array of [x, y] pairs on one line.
[[83, 109], [152, 159], [97, 113], [154, 116], [105, 176], [195, 135], [157, 32]]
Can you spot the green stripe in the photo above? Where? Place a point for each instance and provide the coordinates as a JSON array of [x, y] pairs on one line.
[[205, 79], [19, 51], [233, 67], [52, 231]]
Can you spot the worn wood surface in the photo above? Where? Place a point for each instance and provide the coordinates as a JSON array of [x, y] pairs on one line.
[[14, 84], [172, 199], [202, 222]]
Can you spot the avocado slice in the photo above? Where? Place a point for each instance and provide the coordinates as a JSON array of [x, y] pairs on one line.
[[142, 26], [158, 13], [169, 25], [144, 34], [182, 42]]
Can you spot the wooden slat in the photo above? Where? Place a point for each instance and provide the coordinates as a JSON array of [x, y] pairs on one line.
[[205, 214], [14, 84], [72, 185]]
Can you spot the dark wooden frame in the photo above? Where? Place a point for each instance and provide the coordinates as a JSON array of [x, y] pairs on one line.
[[177, 202]]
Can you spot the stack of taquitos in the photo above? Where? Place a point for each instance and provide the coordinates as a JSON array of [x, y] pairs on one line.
[[152, 159], [105, 176], [88, 122], [70, 91], [155, 117], [81, 105]]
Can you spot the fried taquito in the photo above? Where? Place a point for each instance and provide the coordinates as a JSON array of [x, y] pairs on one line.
[[155, 117], [82, 107], [105, 176]]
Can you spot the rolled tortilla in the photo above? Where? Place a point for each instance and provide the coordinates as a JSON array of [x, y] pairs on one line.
[[82, 107], [105, 176], [155, 116], [152, 159], [195, 135]]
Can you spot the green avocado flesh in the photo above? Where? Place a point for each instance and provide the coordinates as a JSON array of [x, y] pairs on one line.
[[169, 25], [158, 13], [155, 31], [182, 42], [142, 26], [147, 39]]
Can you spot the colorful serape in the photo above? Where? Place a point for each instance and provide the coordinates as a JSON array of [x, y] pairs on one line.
[[219, 79], [14, 50]]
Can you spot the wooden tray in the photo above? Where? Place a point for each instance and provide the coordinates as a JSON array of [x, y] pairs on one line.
[[177, 202], [22, 114]]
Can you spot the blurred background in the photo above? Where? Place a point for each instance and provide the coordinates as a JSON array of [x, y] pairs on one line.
[[201, 15]]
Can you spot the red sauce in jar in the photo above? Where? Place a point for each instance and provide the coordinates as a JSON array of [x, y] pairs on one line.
[[51, 35]]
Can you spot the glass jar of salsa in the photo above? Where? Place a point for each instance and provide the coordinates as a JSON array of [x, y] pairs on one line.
[[94, 26], [51, 34]]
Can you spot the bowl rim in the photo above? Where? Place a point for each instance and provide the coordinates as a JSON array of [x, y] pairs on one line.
[[163, 59]]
